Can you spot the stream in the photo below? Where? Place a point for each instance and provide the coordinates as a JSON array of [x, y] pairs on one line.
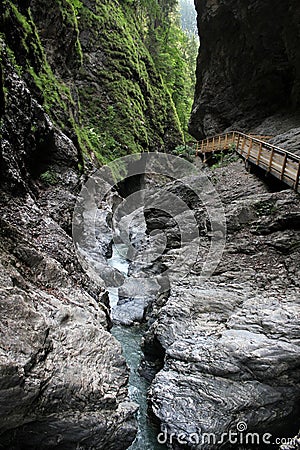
[[130, 339]]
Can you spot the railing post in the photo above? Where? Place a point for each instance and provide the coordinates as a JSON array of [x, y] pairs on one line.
[[238, 142], [259, 153], [249, 149], [271, 159], [283, 167], [243, 145], [213, 144], [197, 148], [226, 140], [297, 178]]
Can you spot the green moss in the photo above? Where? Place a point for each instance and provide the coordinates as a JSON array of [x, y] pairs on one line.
[[124, 106], [130, 86], [21, 19], [49, 177], [56, 94], [12, 59], [70, 10]]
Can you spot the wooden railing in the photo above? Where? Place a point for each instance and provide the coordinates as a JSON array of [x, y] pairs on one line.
[[274, 160]]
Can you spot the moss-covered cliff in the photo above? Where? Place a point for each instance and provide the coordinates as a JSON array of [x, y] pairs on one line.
[[248, 65], [88, 66]]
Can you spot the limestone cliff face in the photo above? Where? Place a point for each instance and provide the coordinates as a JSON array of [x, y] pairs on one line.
[[86, 63], [248, 65]]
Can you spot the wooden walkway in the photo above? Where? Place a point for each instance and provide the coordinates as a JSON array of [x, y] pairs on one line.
[[274, 160]]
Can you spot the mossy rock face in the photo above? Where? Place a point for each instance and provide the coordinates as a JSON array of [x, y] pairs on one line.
[[28, 55], [127, 107], [87, 64]]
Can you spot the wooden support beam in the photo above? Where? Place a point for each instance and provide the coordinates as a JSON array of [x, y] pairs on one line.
[[249, 149], [238, 142], [296, 185], [243, 145], [271, 160], [283, 166], [259, 153]]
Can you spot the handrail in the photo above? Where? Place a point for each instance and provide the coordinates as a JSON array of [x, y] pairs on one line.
[[267, 144], [275, 160]]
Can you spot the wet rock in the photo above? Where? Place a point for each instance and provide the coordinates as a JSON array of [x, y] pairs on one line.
[[63, 391], [135, 297]]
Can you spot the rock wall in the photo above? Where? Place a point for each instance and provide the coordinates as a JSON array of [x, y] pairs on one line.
[[88, 66], [78, 87], [249, 63], [229, 346], [63, 379]]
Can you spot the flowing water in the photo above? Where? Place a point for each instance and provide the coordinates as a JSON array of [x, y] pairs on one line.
[[130, 339]]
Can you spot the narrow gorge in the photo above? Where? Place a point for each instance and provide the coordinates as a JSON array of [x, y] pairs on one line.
[[150, 298]]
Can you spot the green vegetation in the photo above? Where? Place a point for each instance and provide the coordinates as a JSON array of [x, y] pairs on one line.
[[127, 106], [11, 57], [130, 85], [174, 52], [29, 57], [185, 151], [266, 208], [49, 177], [222, 159], [70, 10]]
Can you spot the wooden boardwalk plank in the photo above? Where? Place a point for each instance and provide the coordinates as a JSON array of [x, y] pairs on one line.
[[274, 160]]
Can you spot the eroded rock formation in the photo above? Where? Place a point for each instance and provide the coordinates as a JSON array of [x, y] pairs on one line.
[[230, 347], [63, 379], [78, 86], [249, 64]]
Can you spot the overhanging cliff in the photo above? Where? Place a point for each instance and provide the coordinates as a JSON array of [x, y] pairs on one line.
[[249, 63]]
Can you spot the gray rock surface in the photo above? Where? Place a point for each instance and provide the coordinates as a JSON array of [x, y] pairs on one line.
[[231, 346], [248, 67], [294, 445], [285, 130], [63, 378], [289, 141]]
